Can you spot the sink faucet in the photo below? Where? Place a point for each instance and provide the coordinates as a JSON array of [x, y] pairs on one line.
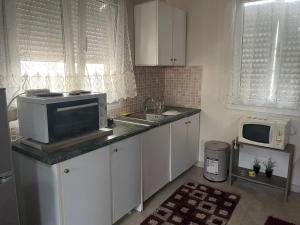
[[160, 106], [145, 104]]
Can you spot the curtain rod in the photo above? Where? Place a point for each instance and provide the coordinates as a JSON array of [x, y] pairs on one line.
[[109, 3]]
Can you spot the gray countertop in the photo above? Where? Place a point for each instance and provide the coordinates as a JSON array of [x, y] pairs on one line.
[[121, 130]]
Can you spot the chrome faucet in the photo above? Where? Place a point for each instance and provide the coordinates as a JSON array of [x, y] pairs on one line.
[[145, 104], [160, 107]]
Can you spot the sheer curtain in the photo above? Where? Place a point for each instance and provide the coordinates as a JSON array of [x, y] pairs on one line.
[[8, 65], [104, 27], [266, 65], [40, 44], [2, 47], [65, 45]]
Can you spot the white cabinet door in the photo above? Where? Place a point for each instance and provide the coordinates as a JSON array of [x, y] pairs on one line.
[[184, 144], [165, 33], [179, 157], [145, 29], [160, 34], [179, 37], [193, 139], [86, 189], [126, 176], [155, 163]]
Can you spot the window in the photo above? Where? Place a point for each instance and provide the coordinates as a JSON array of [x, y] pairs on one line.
[[40, 37], [96, 27], [267, 55], [65, 45]]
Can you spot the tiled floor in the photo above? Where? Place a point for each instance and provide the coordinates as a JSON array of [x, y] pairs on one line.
[[256, 204]]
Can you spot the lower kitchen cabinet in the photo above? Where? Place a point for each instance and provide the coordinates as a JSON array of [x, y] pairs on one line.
[[86, 189], [101, 186], [184, 144], [179, 158], [155, 159], [126, 176], [74, 192], [193, 136]]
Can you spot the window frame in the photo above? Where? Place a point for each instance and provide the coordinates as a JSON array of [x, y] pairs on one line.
[[233, 87]]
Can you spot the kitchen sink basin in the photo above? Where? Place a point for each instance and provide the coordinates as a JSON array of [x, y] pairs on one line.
[[148, 118], [154, 117], [151, 117]]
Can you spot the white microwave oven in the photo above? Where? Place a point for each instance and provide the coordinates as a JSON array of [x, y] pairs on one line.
[[264, 131], [53, 118]]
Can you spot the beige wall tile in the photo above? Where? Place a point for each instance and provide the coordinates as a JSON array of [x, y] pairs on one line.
[[176, 86]]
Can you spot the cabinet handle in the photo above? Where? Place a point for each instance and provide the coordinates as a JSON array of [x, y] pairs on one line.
[[115, 150], [188, 122], [5, 179], [66, 171], [171, 59], [175, 60]]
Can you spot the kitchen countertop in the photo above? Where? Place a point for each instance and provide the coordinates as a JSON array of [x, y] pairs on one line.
[[121, 130]]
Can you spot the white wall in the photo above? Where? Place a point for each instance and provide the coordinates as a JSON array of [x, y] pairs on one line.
[[208, 27]]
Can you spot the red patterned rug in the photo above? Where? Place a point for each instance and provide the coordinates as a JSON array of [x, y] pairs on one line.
[[274, 221], [195, 204]]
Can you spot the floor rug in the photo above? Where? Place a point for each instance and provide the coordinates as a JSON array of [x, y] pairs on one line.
[[195, 204], [274, 221]]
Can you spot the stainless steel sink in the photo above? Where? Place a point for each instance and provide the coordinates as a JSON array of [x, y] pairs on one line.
[[147, 119], [150, 117], [154, 117]]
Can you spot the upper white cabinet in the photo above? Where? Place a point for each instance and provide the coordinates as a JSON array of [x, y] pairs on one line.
[[160, 34], [126, 176], [184, 144], [155, 163], [179, 37]]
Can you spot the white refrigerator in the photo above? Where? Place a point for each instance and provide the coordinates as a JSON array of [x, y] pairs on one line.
[[8, 198]]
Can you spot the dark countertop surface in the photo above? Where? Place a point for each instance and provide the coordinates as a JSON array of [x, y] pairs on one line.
[[121, 130]]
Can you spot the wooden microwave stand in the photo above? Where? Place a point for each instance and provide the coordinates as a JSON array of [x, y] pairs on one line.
[[282, 183]]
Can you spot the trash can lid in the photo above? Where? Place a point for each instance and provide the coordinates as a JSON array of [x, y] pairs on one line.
[[216, 145]]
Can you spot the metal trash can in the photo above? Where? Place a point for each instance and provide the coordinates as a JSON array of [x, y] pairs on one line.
[[216, 160]]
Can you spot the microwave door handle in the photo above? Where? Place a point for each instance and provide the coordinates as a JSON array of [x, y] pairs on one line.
[[76, 107], [271, 136]]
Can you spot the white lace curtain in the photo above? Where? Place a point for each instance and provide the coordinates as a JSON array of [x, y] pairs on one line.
[[266, 65], [66, 45]]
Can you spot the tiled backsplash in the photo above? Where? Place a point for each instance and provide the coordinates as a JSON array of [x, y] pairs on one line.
[[176, 86], [183, 86], [150, 82]]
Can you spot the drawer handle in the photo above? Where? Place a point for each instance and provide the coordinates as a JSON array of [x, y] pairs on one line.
[[66, 171]]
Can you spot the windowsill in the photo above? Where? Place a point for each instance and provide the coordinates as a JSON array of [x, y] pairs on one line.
[[258, 109]]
